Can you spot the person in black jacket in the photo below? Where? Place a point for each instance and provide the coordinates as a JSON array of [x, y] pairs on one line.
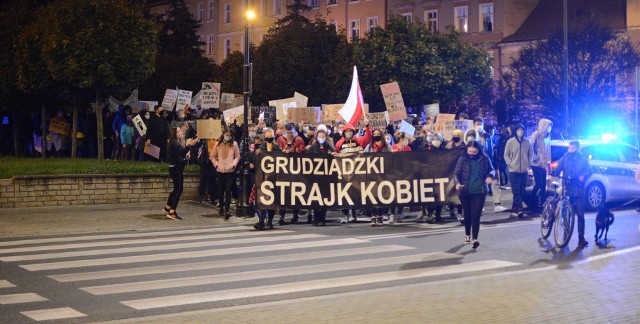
[[269, 145], [320, 146], [176, 155], [158, 132], [472, 174]]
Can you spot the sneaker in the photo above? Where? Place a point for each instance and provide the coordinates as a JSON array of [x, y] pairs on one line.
[[258, 226], [201, 200], [270, 225], [374, 222], [420, 218], [467, 239], [174, 215], [165, 210], [499, 209], [385, 218], [392, 219], [475, 244], [345, 220], [281, 222], [227, 215], [583, 243]]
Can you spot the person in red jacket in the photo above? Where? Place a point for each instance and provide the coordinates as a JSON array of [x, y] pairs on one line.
[[290, 142], [349, 144]]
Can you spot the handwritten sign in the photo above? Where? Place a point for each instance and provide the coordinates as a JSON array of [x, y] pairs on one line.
[[432, 110], [184, 99], [281, 110], [444, 125], [140, 125], [377, 120], [209, 128], [170, 98], [210, 97], [393, 100], [295, 115], [230, 100], [59, 126], [236, 114], [268, 114], [300, 99], [330, 113]]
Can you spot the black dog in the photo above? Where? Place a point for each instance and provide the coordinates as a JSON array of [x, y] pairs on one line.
[[604, 219]]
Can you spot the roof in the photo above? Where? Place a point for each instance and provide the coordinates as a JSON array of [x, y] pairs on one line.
[[546, 17]]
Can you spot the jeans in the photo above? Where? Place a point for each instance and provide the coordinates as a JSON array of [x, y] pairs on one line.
[[472, 210], [177, 176], [518, 183], [540, 187], [225, 183], [578, 208]]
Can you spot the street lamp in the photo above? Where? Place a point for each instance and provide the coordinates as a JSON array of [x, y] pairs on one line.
[[244, 208]]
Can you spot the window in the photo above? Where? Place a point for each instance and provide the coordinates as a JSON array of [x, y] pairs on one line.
[[200, 11], [332, 2], [227, 47], [210, 45], [372, 22], [277, 7], [355, 28], [227, 13], [601, 152], [431, 20], [486, 22], [313, 3], [461, 19], [630, 154], [407, 16], [211, 12]]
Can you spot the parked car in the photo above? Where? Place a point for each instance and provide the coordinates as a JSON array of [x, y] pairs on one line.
[[614, 166]]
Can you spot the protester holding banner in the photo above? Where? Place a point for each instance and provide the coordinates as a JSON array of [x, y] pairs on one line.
[[321, 146], [455, 211], [336, 135], [472, 174], [434, 144], [290, 143], [269, 145], [176, 154], [377, 145], [225, 158]]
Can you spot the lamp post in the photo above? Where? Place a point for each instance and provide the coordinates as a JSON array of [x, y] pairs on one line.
[[244, 208]]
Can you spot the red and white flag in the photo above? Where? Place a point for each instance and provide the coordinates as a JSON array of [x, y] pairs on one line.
[[353, 109]]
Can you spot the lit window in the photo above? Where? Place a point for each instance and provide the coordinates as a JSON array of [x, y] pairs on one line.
[[355, 28], [200, 11], [227, 13], [431, 19], [461, 19], [372, 22], [227, 47], [277, 7], [313, 3], [486, 24], [211, 11], [408, 17]]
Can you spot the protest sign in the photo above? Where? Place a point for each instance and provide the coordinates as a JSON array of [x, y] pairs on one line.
[[444, 125], [281, 110], [184, 99], [330, 113], [210, 97], [268, 114], [300, 99], [462, 125], [355, 181], [378, 120], [407, 128], [140, 125], [236, 114], [59, 126], [230, 100], [393, 100], [169, 100], [296, 114], [152, 150], [209, 128], [432, 110]]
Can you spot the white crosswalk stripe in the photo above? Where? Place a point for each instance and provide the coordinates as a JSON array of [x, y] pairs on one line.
[[152, 270]]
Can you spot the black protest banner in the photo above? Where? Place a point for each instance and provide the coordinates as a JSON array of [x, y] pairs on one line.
[[365, 180]]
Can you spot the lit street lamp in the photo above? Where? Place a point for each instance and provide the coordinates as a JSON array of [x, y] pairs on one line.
[[244, 208]]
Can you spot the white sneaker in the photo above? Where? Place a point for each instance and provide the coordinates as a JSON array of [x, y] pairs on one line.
[[344, 220], [392, 219], [420, 218], [499, 209]]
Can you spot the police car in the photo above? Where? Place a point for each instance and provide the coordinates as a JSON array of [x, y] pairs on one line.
[[614, 166]]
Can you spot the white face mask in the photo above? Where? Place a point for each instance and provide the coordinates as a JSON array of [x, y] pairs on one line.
[[147, 116], [321, 140], [388, 140], [181, 116], [436, 143], [227, 138]]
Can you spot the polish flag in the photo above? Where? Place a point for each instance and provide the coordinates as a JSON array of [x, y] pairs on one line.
[[353, 109]]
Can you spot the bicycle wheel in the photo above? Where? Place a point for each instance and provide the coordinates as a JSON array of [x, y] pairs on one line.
[[565, 221], [546, 219]]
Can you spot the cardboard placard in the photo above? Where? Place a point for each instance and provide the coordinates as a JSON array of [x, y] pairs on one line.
[[377, 120], [308, 114], [59, 126], [140, 125], [210, 97], [209, 128], [237, 113], [330, 113], [268, 114], [444, 125], [184, 99], [169, 100], [152, 150], [393, 100], [300, 99], [281, 110], [432, 110], [231, 100]]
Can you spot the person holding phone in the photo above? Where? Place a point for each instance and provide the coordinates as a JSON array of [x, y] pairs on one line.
[[176, 155]]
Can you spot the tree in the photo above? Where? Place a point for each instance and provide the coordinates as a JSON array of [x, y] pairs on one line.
[[428, 67], [87, 46], [599, 64], [179, 33], [297, 54]]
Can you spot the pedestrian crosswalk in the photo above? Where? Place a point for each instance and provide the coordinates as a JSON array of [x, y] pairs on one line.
[[162, 271]]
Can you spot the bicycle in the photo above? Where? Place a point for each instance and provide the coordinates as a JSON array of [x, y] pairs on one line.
[[558, 209]]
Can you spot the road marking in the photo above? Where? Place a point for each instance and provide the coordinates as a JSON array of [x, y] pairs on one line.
[[20, 298], [164, 247], [225, 263], [130, 242], [6, 284], [266, 274], [187, 255], [118, 236], [52, 314], [188, 299]]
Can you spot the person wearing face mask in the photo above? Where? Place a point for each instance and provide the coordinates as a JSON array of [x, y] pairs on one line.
[[336, 135], [428, 210], [290, 143], [320, 146], [348, 144], [402, 145], [471, 135], [225, 158], [388, 138], [541, 142], [269, 145], [575, 166], [378, 145], [472, 175], [457, 142], [158, 132], [127, 137], [176, 154], [517, 155]]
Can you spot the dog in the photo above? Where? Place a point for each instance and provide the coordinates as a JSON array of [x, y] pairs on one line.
[[604, 219]]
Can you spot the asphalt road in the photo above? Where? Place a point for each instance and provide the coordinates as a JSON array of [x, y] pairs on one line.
[[188, 275]]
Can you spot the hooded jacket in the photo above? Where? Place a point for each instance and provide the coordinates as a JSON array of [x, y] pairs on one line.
[[473, 133], [354, 144], [574, 165], [540, 141], [462, 172], [518, 153]]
